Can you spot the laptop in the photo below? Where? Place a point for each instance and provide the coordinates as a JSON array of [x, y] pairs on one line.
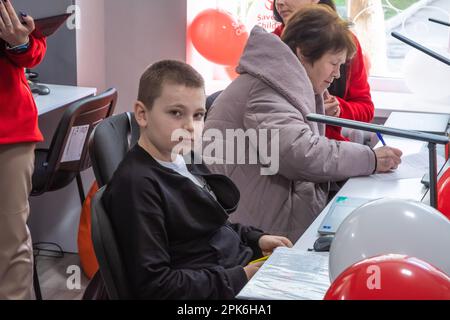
[[340, 209]]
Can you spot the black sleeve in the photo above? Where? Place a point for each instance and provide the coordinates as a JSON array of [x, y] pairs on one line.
[[147, 257], [250, 237]]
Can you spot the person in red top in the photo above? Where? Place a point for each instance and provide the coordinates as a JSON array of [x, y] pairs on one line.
[[19, 133], [349, 96]]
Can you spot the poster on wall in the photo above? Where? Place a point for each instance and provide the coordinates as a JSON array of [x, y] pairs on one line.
[[217, 33]]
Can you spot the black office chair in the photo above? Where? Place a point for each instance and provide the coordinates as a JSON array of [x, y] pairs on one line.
[[109, 144], [210, 100], [107, 251], [67, 157]]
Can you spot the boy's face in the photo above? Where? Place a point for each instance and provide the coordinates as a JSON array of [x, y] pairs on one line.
[[178, 109]]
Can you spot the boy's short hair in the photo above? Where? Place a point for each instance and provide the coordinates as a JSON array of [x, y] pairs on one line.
[[166, 71]]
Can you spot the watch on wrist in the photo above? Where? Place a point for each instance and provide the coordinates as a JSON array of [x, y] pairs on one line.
[[20, 48]]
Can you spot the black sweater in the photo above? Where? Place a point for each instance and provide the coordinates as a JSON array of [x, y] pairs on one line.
[[175, 238]]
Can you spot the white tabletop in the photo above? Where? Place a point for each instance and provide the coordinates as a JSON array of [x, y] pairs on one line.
[[61, 96], [365, 187], [374, 188], [387, 102]]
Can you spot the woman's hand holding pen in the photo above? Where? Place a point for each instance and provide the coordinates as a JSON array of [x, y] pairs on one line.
[[388, 158], [12, 30]]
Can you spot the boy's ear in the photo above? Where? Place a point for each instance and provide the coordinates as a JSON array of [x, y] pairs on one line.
[[140, 114]]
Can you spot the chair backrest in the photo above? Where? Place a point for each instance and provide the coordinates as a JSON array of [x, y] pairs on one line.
[[68, 153], [210, 101], [107, 251], [109, 144]]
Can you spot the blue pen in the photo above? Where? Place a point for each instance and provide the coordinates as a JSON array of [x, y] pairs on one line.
[[381, 138]]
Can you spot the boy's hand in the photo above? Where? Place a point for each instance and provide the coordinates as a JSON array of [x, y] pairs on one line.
[[11, 28], [251, 269], [268, 243]]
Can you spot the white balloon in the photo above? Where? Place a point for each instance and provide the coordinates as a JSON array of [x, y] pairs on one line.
[[426, 76], [391, 226]]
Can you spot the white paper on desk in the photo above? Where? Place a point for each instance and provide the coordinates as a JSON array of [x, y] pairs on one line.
[[412, 166], [75, 144], [407, 146], [290, 274]]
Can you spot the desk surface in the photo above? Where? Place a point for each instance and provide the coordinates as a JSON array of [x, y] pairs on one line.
[[387, 102], [369, 187], [61, 96], [365, 187]]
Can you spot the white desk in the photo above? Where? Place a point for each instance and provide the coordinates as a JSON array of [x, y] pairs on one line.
[[365, 187], [387, 102], [61, 96], [369, 187]]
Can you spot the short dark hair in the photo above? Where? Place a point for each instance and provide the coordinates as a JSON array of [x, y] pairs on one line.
[[277, 17], [316, 30], [166, 71]]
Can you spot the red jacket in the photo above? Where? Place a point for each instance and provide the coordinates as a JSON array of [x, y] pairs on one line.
[[18, 112], [356, 104]]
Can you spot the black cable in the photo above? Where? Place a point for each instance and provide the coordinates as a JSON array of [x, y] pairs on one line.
[[439, 22], [37, 253], [420, 47], [59, 253]]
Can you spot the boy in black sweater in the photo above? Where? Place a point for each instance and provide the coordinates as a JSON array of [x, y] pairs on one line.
[[171, 218]]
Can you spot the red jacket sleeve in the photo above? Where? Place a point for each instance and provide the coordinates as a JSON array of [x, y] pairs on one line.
[[32, 57], [357, 103]]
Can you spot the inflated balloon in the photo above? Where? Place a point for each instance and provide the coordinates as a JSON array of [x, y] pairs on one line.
[[231, 72], [394, 226], [390, 277], [426, 76], [443, 190], [218, 37]]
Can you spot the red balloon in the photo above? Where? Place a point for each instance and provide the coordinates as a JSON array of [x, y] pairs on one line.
[[390, 277], [231, 72], [443, 190], [218, 37]]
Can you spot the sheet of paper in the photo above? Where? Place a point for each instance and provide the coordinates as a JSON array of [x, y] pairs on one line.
[[290, 274], [413, 166], [75, 144], [407, 146]]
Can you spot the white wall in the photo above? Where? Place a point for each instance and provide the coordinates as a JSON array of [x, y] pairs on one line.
[[91, 62], [118, 39]]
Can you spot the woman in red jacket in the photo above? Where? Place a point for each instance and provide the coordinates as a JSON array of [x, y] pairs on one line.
[[18, 135], [349, 96]]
